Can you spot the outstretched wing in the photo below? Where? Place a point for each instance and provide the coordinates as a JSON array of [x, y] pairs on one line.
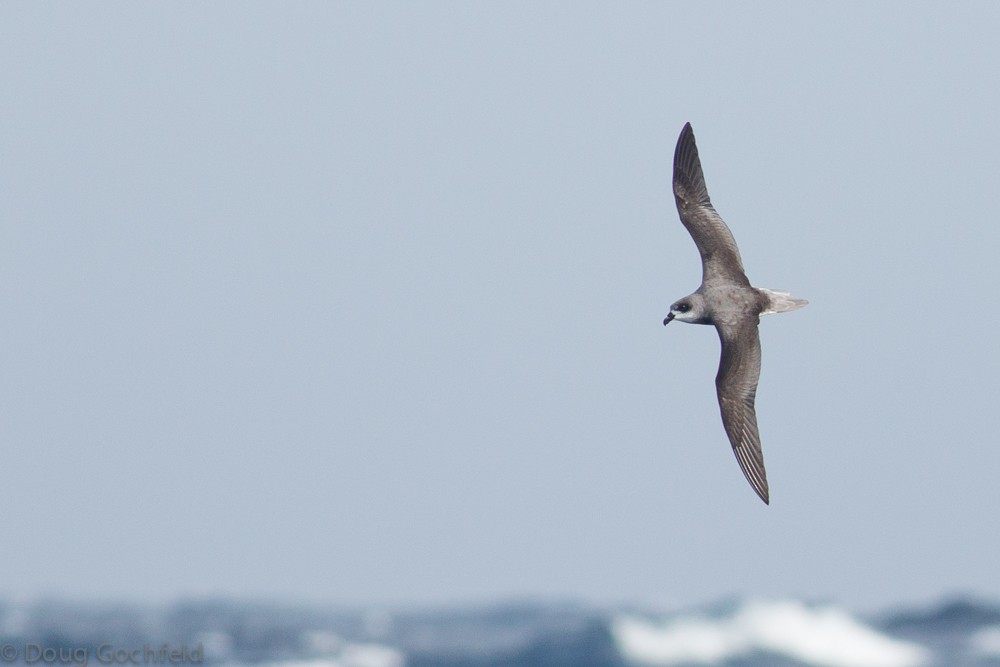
[[736, 384], [720, 258]]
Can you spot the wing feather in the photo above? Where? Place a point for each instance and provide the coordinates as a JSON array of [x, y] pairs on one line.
[[720, 258], [736, 384]]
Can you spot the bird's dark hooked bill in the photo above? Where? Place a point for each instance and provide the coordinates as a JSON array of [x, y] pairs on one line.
[[666, 320]]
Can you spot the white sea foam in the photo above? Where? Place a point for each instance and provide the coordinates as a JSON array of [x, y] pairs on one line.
[[985, 642], [822, 636], [370, 655], [353, 655]]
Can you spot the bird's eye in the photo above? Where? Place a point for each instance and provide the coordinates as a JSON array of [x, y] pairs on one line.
[[683, 307]]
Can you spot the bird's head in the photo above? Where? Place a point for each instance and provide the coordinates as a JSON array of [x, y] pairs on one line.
[[690, 309]]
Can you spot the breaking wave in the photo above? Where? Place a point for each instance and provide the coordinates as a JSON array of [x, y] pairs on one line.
[[821, 636]]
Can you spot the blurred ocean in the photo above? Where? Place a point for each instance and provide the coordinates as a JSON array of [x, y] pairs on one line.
[[745, 633]]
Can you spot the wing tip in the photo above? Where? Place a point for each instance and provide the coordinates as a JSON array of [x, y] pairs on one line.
[[751, 460], [689, 180], [758, 482], [685, 143], [764, 495]]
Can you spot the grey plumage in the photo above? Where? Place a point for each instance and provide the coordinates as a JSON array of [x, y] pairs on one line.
[[726, 300]]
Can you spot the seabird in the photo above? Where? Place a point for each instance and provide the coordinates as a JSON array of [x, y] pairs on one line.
[[728, 301]]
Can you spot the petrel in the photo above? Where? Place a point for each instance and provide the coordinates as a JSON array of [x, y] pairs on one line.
[[728, 301]]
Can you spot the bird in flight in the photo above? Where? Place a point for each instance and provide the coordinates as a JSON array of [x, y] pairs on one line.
[[727, 301]]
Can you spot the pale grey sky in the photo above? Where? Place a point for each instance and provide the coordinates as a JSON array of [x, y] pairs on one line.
[[362, 302]]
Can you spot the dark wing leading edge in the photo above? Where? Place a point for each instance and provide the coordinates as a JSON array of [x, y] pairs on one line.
[[720, 259], [736, 384]]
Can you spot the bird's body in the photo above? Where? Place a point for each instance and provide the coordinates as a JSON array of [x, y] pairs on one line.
[[727, 300]]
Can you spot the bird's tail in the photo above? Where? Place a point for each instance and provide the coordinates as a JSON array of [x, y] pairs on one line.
[[779, 301]]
